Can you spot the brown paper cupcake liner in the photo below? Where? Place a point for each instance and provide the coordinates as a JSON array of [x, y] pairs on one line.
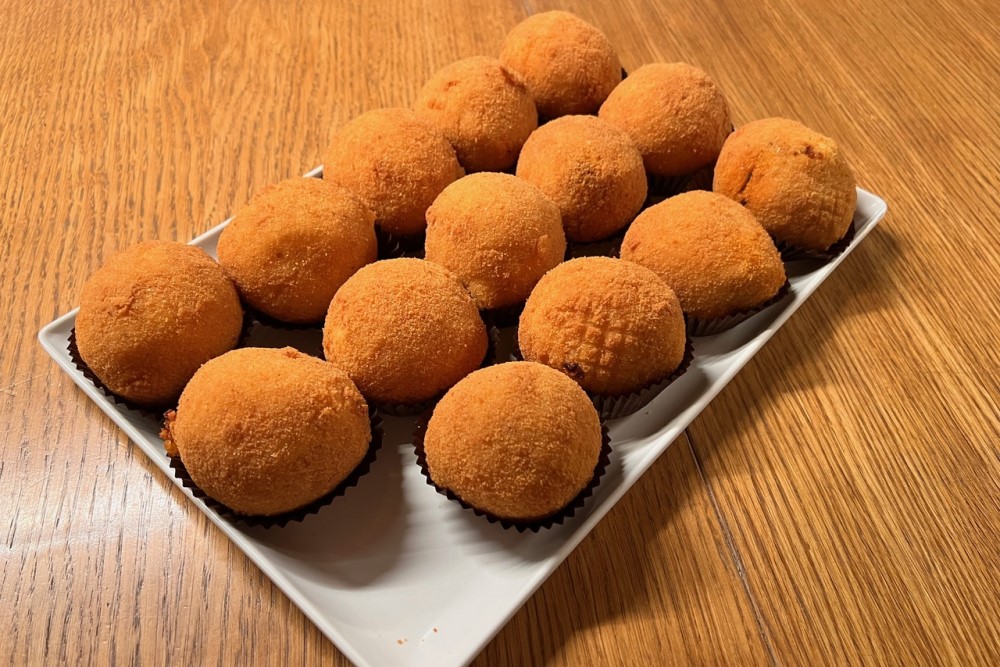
[[700, 326], [263, 319], [542, 120], [411, 409], [609, 247], [297, 515], [664, 187], [391, 246], [534, 525], [407, 409], [508, 316], [151, 411], [792, 253], [615, 406]]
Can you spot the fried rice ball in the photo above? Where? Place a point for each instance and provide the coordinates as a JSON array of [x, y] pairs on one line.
[[675, 113], [518, 441], [484, 110], [151, 316], [396, 162], [796, 181], [612, 326], [405, 330], [267, 431], [710, 250], [498, 234], [591, 170], [294, 244], [569, 65]]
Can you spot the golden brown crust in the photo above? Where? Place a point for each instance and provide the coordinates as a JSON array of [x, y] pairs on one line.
[[166, 433], [569, 65], [484, 110], [591, 170], [796, 181], [710, 250], [674, 112], [612, 326], [518, 440], [294, 244], [152, 315], [396, 162], [498, 234], [405, 330], [266, 431]]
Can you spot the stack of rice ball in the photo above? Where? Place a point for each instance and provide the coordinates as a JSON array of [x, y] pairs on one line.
[[500, 165]]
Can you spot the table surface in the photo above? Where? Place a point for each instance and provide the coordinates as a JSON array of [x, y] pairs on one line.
[[838, 503]]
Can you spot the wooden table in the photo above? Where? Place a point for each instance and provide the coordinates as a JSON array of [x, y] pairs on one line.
[[836, 504]]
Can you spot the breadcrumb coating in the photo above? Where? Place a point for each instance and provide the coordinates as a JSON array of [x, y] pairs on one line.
[[569, 65], [710, 250], [591, 170], [404, 330], [266, 431], [498, 234], [796, 181], [675, 113], [152, 315], [517, 440], [612, 326], [294, 245], [396, 162], [484, 110]]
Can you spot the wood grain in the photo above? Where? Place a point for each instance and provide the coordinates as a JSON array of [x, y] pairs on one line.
[[654, 584], [838, 503]]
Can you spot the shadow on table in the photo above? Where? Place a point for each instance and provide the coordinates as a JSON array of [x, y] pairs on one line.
[[333, 546], [857, 291], [606, 577]]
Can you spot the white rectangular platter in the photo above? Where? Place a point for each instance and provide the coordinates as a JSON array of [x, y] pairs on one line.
[[394, 573]]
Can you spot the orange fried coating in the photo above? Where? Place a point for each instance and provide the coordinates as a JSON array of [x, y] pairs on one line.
[[675, 113], [484, 110], [518, 440], [405, 330], [396, 162], [569, 65], [498, 234], [266, 431], [152, 315], [591, 170], [612, 326], [710, 250], [294, 245], [796, 181]]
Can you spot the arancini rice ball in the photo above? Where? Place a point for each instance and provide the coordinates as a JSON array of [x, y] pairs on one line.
[[266, 431], [796, 181], [151, 315], [568, 64], [294, 244], [396, 162], [484, 110], [675, 113], [518, 440], [612, 326], [404, 330], [498, 234], [591, 170], [710, 250]]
